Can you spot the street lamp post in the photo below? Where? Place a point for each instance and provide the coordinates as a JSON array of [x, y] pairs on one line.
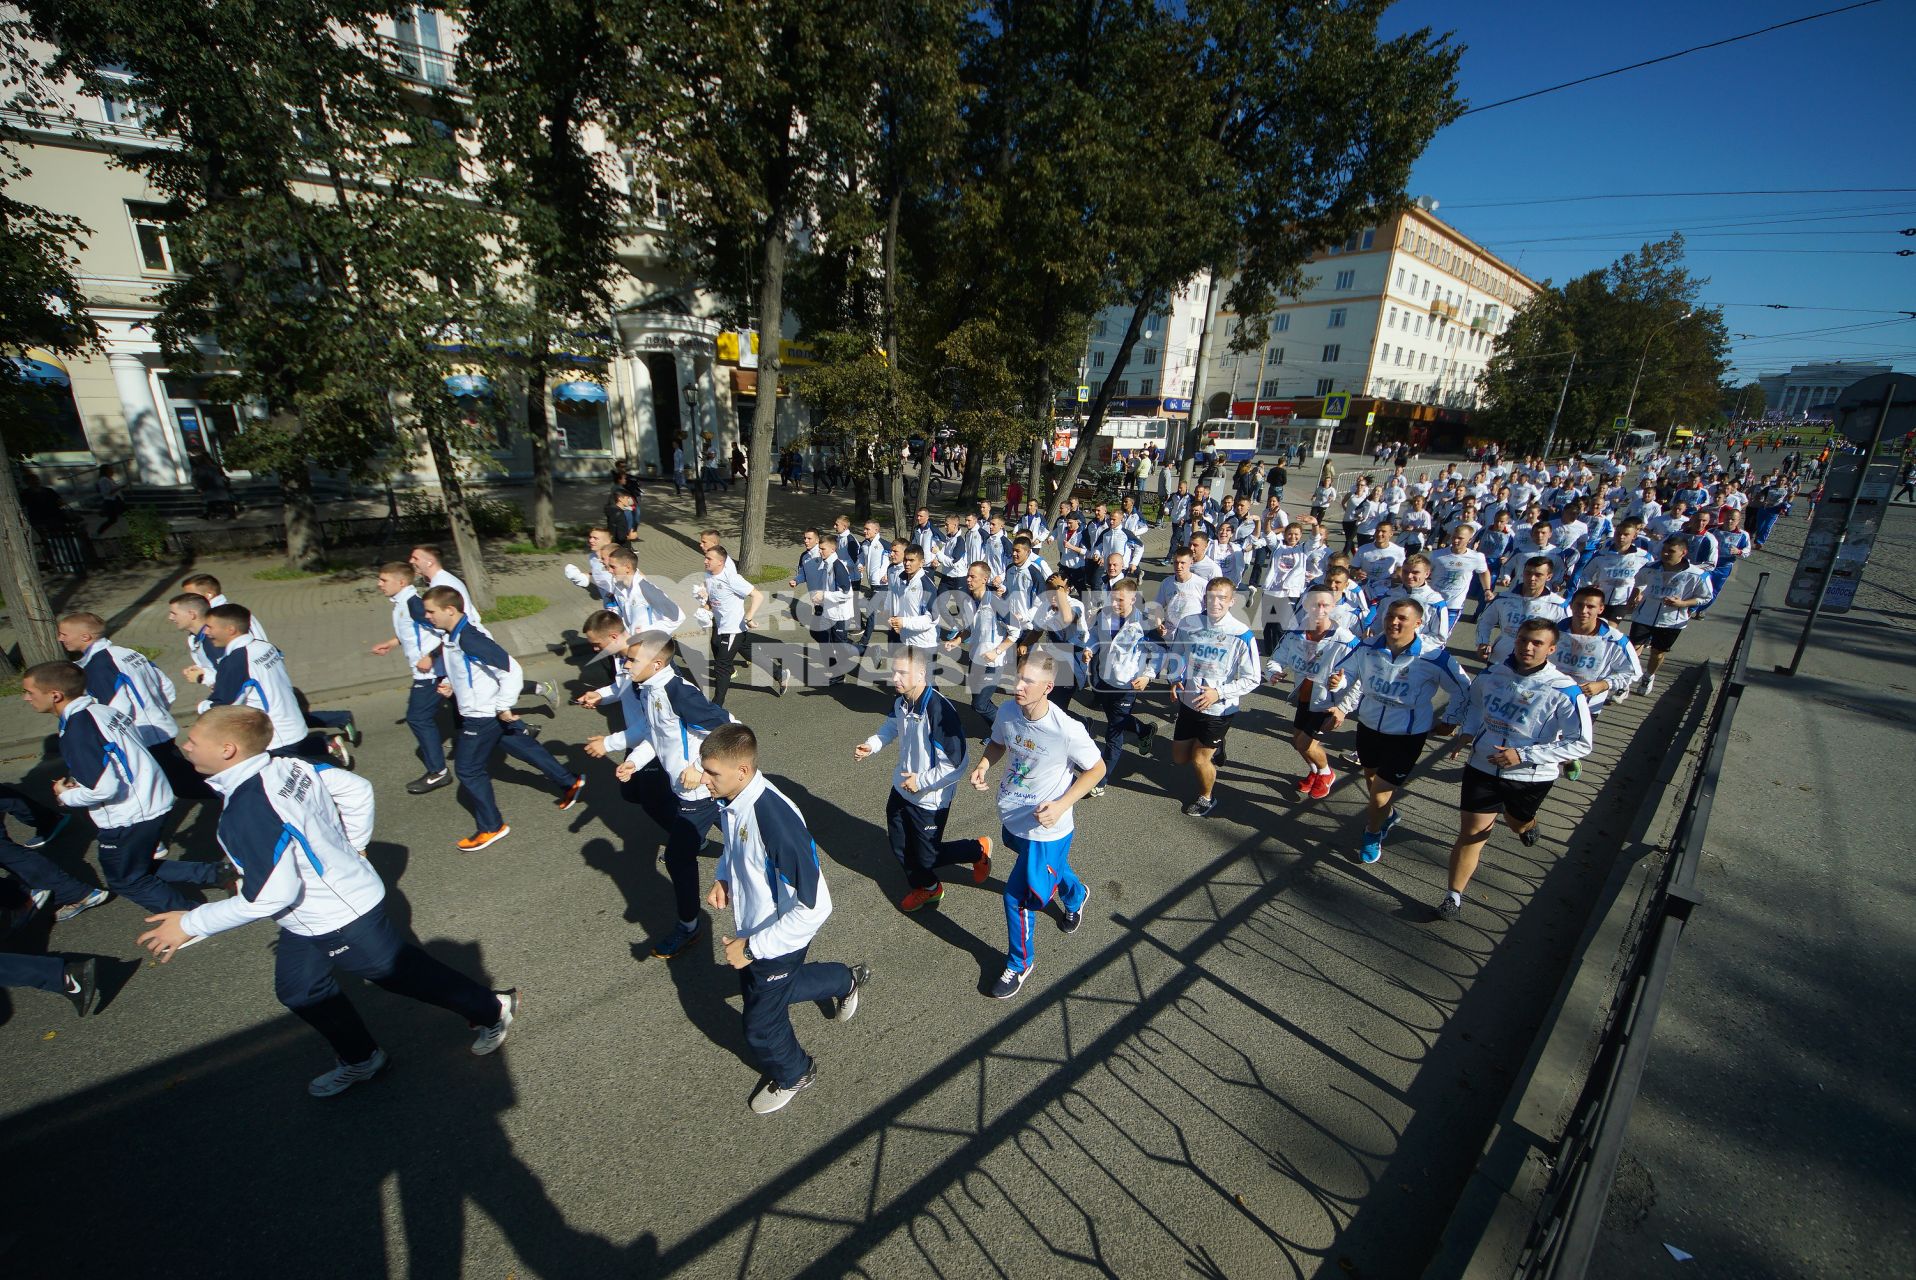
[[1638, 380]]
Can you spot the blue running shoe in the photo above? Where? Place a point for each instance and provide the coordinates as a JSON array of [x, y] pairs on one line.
[[682, 936], [1390, 824], [41, 838], [1373, 846]]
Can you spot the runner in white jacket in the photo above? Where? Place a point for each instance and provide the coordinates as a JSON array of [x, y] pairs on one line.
[[1524, 719]]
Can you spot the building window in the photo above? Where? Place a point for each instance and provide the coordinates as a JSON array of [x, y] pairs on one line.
[[1275, 355], [119, 107], [1150, 356], [1325, 386], [1097, 359], [1370, 236], [1101, 327], [1331, 351], [1346, 279], [1144, 387], [1336, 248], [1124, 386], [1280, 323], [1269, 391], [1392, 323], [1417, 326], [149, 233], [1336, 318], [1400, 277]]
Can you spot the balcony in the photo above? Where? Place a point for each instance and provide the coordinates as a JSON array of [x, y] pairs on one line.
[[417, 63], [1438, 307]]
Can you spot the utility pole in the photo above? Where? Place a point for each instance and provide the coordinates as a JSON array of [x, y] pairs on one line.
[[1557, 417], [1195, 418]]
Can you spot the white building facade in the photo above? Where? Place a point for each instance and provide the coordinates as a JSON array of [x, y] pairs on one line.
[[1811, 390]]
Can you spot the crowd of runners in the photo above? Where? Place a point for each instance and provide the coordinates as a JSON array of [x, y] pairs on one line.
[[1030, 657]]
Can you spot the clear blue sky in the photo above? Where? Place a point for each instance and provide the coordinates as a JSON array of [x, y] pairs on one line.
[[1830, 103]]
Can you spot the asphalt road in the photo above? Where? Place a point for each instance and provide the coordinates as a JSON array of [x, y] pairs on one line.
[[1258, 1058]]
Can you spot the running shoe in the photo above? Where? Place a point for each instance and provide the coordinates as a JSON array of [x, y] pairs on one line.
[[1530, 835], [39, 838], [480, 839], [981, 869], [339, 751], [345, 1075], [1450, 908], [770, 1097], [548, 692], [571, 796], [683, 935], [353, 735], [1391, 820], [1147, 733], [72, 909], [922, 898], [1649, 685], [1009, 984], [1200, 807], [83, 984], [490, 1038], [1321, 785], [429, 782], [1573, 771], [1097, 791], [848, 1003], [1070, 920], [1305, 784], [1373, 846]]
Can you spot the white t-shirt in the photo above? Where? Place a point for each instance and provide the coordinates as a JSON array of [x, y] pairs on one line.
[[1451, 572], [1042, 759]]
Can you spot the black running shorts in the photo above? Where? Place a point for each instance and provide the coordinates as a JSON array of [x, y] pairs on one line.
[[1207, 731], [1488, 793], [1391, 756]]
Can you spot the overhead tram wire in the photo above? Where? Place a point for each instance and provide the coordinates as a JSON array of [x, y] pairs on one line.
[[1687, 195], [1668, 57]]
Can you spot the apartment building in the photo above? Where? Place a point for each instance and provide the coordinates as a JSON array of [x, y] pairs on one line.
[[1162, 371], [1402, 316], [676, 372]]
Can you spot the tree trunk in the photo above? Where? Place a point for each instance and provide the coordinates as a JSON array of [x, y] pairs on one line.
[[1041, 441], [465, 538], [305, 539], [974, 469], [1088, 436], [1196, 416], [924, 480], [771, 319], [539, 431], [26, 591], [861, 498], [900, 514]]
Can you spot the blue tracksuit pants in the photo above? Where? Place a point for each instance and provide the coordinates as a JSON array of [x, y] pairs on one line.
[[1043, 870]]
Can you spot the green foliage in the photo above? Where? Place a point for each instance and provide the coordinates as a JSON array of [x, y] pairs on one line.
[[496, 517], [509, 607], [565, 544], [1625, 319], [771, 573], [146, 534]]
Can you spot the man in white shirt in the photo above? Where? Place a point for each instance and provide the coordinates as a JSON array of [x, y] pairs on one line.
[[734, 604], [1667, 595], [1053, 765]]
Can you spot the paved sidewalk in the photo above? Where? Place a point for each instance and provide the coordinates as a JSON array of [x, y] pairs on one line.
[[1772, 1135]]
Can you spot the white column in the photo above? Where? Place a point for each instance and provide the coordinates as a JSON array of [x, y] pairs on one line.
[[158, 455]]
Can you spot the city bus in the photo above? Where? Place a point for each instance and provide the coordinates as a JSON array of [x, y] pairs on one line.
[[1116, 435], [1229, 439]]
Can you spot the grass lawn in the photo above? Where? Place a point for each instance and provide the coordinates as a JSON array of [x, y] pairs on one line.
[[565, 544], [506, 608], [772, 573]]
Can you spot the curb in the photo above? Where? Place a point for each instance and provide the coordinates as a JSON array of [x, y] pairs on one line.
[[1488, 1229]]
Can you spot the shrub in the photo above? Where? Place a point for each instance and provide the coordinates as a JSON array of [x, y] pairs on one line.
[[496, 518], [146, 532]]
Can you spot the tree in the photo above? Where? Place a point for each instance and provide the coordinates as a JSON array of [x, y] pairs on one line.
[[320, 197], [1741, 404], [1645, 349], [540, 78], [39, 307], [766, 90]]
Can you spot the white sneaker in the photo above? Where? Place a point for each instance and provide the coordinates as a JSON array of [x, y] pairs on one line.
[[345, 1075], [490, 1038], [770, 1097], [1649, 685]]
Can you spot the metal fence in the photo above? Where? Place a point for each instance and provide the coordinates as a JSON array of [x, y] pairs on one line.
[[1571, 1212]]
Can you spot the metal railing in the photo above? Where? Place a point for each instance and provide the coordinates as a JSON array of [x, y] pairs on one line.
[[1571, 1211]]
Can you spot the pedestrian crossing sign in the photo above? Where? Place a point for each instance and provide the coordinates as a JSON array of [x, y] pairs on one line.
[[1619, 424], [1337, 405], [1084, 394]]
